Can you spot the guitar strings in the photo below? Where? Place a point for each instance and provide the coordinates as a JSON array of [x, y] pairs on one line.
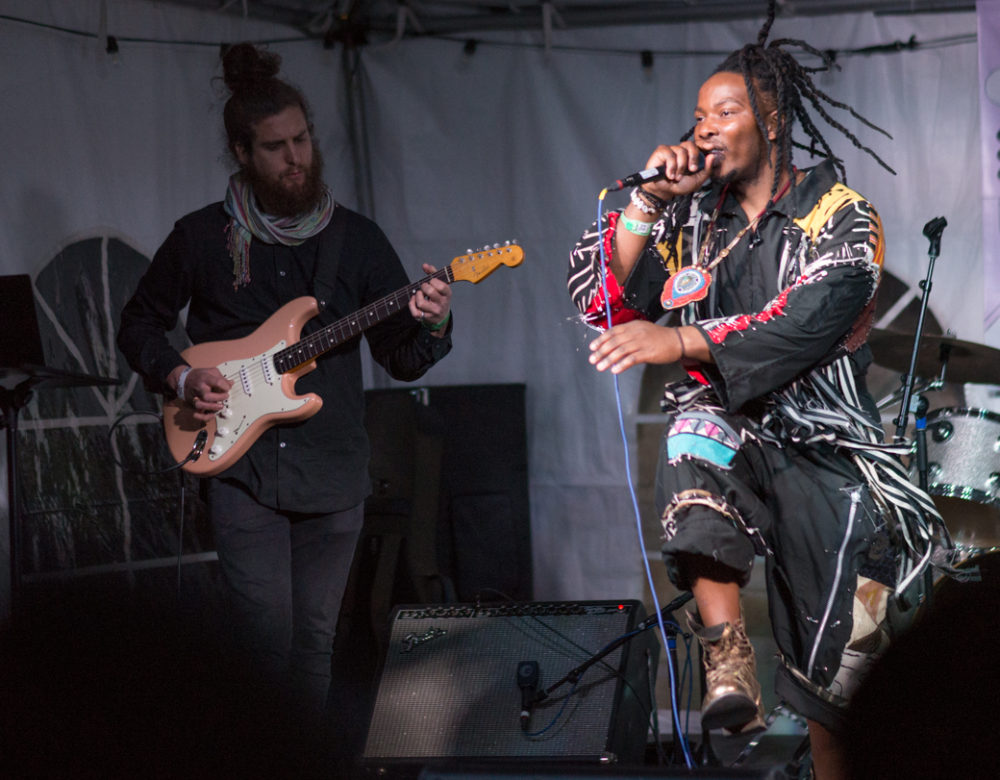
[[256, 371]]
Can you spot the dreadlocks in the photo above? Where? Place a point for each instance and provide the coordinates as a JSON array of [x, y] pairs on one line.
[[773, 75]]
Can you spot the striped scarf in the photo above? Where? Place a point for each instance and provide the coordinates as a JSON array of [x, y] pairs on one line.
[[247, 221]]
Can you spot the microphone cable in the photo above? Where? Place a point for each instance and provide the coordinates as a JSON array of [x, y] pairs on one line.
[[681, 737]]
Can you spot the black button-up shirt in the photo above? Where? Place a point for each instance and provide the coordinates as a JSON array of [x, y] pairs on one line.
[[319, 464]]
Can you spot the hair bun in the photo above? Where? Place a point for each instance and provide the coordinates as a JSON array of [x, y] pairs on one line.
[[244, 64]]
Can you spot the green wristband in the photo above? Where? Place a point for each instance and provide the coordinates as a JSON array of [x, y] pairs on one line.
[[636, 226], [439, 325]]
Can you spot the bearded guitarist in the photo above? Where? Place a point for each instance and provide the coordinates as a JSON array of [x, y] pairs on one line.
[[287, 513]]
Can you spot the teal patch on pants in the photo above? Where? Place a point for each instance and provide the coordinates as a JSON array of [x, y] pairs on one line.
[[700, 447], [702, 436]]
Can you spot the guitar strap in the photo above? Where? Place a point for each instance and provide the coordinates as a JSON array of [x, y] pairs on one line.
[[327, 261]]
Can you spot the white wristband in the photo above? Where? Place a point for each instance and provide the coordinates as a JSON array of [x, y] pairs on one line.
[[180, 382], [642, 205]]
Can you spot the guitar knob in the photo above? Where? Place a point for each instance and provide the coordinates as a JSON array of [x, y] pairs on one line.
[[225, 412], [215, 449], [222, 431]]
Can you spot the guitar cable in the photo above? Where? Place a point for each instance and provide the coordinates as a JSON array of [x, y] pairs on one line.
[[681, 737], [195, 453], [196, 449]]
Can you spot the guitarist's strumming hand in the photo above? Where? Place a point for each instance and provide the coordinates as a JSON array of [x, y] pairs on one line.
[[432, 302], [204, 388]]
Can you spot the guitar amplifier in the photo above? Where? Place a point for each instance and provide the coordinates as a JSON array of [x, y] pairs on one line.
[[449, 685]]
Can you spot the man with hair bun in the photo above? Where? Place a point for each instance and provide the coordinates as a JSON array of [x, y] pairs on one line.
[[773, 447], [287, 514]]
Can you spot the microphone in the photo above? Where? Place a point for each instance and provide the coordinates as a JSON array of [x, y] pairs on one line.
[[527, 681], [679, 601], [650, 174]]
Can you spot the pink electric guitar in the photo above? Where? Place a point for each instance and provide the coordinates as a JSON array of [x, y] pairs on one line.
[[265, 365]]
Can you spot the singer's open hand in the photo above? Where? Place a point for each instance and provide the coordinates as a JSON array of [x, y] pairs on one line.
[[631, 343], [683, 169]]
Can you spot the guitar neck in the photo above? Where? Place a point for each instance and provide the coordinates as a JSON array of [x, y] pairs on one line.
[[336, 333]]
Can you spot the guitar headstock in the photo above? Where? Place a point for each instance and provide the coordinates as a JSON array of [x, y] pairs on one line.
[[475, 266]]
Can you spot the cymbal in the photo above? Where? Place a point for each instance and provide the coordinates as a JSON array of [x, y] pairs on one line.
[[966, 360]]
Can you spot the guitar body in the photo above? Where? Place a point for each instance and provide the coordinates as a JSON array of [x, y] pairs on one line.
[[260, 398]]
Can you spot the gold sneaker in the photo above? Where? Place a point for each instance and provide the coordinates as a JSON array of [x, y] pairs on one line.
[[732, 693]]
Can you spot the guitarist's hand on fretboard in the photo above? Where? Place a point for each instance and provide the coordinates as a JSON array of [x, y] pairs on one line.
[[432, 301], [205, 389]]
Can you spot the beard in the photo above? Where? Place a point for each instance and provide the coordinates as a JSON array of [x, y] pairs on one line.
[[279, 200]]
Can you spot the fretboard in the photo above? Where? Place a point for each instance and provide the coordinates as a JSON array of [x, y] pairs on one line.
[[336, 333]]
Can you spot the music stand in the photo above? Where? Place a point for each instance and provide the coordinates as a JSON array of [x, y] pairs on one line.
[[22, 371]]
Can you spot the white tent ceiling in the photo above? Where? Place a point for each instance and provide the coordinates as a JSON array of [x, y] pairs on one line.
[[367, 20]]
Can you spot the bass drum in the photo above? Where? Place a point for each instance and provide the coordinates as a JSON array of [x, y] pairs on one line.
[[963, 474]]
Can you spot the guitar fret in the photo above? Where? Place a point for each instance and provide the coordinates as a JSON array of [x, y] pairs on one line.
[[342, 330]]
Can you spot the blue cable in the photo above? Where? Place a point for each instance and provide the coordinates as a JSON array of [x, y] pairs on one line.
[[555, 718], [635, 502]]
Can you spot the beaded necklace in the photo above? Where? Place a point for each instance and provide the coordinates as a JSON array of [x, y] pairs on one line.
[[691, 284]]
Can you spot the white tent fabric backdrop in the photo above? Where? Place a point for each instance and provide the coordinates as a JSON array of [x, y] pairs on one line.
[[512, 142]]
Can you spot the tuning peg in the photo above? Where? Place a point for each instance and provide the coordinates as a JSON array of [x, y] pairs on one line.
[[469, 251]]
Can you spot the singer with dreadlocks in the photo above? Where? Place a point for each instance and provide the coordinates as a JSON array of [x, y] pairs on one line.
[[773, 445]]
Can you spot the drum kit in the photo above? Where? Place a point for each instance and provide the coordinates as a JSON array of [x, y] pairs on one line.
[[962, 443]]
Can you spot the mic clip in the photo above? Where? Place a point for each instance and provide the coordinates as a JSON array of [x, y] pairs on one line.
[[527, 681]]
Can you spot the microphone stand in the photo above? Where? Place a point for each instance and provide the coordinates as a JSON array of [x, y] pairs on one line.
[[574, 675], [932, 230], [919, 404], [17, 385]]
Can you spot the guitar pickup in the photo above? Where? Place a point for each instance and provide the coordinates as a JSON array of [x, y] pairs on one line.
[[245, 381]]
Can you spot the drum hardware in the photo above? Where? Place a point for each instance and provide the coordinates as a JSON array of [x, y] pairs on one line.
[[924, 386], [955, 454]]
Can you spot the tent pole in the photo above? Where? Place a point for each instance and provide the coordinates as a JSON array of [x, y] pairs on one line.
[[358, 130]]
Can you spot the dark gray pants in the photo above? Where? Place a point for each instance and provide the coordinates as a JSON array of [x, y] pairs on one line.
[[728, 497], [285, 573]]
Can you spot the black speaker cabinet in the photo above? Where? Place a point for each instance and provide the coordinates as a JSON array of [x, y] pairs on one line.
[[449, 685]]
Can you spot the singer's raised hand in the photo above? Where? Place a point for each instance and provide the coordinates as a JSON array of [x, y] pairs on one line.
[[684, 170], [684, 167]]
